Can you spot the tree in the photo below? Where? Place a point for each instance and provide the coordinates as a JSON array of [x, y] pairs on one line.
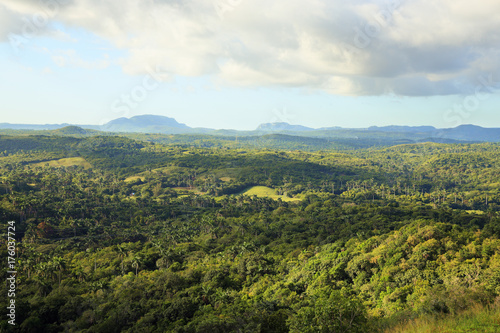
[[59, 265], [330, 311], [136, 262], [121, 253]]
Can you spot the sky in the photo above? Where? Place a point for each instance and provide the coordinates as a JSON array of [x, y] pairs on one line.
[[239, 63]]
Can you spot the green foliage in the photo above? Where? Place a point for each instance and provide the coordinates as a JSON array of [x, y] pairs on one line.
[[330, 311], [160, 238]]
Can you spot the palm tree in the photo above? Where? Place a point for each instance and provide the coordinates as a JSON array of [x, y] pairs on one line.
[[95, 286], [79, 273], [26, 265], [58, 264], [135, 263]]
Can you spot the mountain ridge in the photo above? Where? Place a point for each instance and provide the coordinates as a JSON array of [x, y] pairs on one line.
[[282, 126], [165, 125]]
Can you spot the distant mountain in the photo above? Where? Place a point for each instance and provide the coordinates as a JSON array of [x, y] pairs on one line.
[[413, 129], [471, 133], [32, 127], [146, 124], [166, 125], [141, 124], [281, 126], [333, 128]]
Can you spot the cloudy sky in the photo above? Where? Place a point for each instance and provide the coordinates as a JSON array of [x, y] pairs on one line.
[[239, 63]]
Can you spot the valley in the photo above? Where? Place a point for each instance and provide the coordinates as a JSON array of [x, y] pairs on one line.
[[123, 234]]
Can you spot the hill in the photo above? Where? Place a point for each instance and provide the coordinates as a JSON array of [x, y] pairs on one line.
[[116, 235], [73, 131]]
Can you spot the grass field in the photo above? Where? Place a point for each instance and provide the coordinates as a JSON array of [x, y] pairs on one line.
[[134, 178], [66, 162], [477, 319], [264, 191]]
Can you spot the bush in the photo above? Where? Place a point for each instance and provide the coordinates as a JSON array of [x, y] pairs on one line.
[[330, 311]]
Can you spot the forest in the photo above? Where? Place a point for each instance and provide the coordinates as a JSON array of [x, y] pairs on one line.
[[181, 233]]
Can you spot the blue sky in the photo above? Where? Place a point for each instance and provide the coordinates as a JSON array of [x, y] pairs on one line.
[[239, 63]]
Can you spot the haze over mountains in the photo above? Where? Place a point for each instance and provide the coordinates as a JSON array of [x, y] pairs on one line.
[[166, 125]]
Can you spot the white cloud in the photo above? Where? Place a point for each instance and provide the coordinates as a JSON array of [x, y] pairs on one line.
[[419, 47], [65, 58]]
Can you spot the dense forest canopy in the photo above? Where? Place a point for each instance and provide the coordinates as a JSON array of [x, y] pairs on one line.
[[121, 235]]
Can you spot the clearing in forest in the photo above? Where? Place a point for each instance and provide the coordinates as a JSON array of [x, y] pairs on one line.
[[134, 178], [66, 162], [264, 191]]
